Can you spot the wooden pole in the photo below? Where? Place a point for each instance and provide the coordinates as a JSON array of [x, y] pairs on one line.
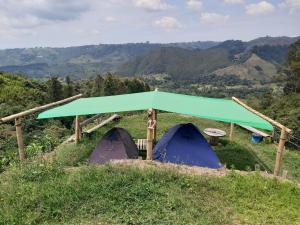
[[283, 135], [90, 120], [273, 122], [36, 109], [112, 118], [149, 144], [20, 139], [231, 131], [77, 129], [151, 124], [278, 162], [155, 127]]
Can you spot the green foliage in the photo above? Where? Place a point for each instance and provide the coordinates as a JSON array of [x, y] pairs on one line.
[[98, 86], [114, 85], [18, 92], [110, 194], [68, 88], [54, 89], [293, 75], [285, 109]]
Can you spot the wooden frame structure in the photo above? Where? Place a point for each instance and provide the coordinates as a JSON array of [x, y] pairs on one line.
[[152, 124], [151, 128], [283, 135], [18, 118]]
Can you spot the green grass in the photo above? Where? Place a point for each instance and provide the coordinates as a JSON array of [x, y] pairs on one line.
[[240, 154], [40, 193], [111, 194]]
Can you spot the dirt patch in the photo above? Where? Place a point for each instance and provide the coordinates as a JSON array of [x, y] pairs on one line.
[[184, 169]]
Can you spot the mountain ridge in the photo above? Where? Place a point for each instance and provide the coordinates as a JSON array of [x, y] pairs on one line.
[[89, 60]]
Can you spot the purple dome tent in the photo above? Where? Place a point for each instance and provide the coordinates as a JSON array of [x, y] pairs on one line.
[[184, 144], [115, 144]]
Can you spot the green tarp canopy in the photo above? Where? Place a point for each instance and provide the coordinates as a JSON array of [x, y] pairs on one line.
[[208, 108]]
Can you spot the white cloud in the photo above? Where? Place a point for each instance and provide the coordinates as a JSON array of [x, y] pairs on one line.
[[233, 2], [168, 23], [214, 18], [110, 19], [152, 5], [30, 13], [292, 5], [194, 4], [262, 7]]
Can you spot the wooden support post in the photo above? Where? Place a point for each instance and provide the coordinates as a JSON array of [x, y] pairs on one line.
[[151, 124], [20, 139], [77, 129], [149, 144], [155, 127], [283, 135], [278, 162], [231, 131]]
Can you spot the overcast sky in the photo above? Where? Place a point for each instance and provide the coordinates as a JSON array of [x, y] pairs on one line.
[[57, 23]]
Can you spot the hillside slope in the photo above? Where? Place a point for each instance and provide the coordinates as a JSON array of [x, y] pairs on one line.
[[254, 69], [177, 62], [86, 61], [80, 61]]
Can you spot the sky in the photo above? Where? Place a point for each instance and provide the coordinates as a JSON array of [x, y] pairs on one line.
[[63, 23]]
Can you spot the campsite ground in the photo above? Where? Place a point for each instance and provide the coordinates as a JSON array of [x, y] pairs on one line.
[[47, 193], [241, 154]]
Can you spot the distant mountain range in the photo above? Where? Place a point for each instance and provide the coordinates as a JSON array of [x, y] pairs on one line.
[[180, 60]]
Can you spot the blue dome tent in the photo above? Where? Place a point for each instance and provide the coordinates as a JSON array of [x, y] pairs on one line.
[[184, 144]]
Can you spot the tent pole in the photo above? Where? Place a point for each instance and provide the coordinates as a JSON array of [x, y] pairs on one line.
[[77, 129], [20, 139], [231, 131], [278, 162]]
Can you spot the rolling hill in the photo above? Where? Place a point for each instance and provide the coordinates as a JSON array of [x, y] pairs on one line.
[[80, 61], [177, 62], [182, 60], [254, 69]]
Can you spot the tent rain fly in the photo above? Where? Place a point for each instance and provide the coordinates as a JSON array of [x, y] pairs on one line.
[[209, 108]]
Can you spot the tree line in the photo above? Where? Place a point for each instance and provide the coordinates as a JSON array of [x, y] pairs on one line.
[[99, 86]]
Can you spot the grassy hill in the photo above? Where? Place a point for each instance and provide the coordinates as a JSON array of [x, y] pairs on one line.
[[56, 192], [254, 69], [114, 194]]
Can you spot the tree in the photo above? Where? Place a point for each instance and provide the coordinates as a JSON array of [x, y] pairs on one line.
[[111, 85], [293, 74], [54, 89], [68, 89], [98, 86]]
